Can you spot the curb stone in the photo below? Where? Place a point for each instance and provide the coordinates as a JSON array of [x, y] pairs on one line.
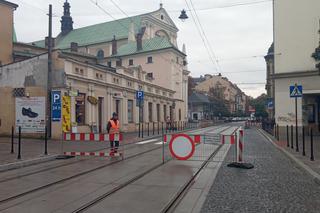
[[24, 163]]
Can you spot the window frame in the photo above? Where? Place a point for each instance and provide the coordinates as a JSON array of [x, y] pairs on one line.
[[149, 60]]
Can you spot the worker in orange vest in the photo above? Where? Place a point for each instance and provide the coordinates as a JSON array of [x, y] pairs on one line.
[[113, 127]]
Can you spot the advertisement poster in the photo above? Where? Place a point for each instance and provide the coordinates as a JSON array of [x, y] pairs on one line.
[[31, 114], [66, 113]]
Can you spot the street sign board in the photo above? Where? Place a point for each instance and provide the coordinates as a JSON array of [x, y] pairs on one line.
[[140, 95], [295, 91], [270, 104], [181, 146], [56, 105]]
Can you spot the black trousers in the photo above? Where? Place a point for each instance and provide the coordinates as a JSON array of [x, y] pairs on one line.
[[114, 144]]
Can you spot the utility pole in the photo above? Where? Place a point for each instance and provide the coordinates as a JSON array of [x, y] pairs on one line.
[[49, 85]]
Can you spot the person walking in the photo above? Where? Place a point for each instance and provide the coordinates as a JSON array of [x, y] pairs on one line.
[[113, 127]]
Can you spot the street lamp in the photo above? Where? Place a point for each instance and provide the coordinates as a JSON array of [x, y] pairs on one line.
[[183, 16]]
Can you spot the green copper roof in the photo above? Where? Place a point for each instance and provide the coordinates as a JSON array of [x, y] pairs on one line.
[[96, 33], [156, 43]]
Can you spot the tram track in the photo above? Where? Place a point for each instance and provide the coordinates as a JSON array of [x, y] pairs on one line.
[[78, 161], [31, 191], [172, 202]]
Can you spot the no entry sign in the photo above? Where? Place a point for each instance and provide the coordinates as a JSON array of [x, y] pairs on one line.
[[181, 146]]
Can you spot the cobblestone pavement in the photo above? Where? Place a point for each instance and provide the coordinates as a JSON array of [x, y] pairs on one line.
[[276, 184]]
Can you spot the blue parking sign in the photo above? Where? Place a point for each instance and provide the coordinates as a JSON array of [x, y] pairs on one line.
[[140, 95], [56, 105]]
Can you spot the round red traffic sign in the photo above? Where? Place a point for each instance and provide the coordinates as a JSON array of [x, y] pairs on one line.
[[181, 146]]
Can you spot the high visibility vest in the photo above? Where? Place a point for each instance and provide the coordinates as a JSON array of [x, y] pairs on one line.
[[115, 127]]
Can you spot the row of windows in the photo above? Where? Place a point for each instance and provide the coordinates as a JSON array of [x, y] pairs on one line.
[[130, 62], [80, 110], [150, 112], [79, 71]]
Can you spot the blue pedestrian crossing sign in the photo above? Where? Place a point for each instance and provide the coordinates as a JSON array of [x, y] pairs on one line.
[[295, 91]]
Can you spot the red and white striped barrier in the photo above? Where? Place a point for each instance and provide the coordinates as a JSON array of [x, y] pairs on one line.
[[240, 142], [196, 138], [228, 139], [96, 154], [91, 137]]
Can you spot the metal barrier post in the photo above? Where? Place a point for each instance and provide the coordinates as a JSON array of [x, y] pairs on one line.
[[162, 145], [291, 137], [152, 128], [139, 129], [148, 129], [278, 134], [19, 144], [142, 130], [288, 143], [311, 145], [12, 140], [46, 141], [297, 139], [303, 142], [158, 127]]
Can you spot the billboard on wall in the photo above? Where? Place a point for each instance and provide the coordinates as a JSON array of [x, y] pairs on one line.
[[66, 113], [31, 114]]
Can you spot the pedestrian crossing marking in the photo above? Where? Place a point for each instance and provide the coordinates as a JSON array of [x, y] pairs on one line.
[[147, 141]]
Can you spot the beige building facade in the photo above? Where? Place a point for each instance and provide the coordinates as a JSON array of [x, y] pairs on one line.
[[234, 98], [7, 34], [101, 67], [296, 36]]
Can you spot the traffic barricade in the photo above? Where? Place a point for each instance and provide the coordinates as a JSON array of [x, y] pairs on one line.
[[191, 147], [91, 144]]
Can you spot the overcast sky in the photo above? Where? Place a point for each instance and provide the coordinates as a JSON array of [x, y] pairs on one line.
[[239, 36]]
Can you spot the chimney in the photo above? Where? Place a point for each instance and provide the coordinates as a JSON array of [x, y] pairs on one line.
[[139, 37], [114, 46], [74, 47]]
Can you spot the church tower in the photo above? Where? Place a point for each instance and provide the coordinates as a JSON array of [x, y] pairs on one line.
[[66, 19]]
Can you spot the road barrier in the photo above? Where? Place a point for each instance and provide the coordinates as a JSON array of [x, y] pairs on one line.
[[239, 148], [240, 142], [192, 147], [85, 141]]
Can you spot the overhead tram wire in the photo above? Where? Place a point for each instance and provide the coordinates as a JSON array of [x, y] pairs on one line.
[[226, 6], [203, 40], [199, 9], [205, 36]]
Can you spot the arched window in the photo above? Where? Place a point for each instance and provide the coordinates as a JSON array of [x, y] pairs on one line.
[[100, 54], [162, 33]]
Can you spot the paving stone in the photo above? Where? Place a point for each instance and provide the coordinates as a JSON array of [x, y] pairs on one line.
[[276, 184]]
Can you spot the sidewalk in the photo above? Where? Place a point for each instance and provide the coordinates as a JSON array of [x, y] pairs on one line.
[[34, 148], [314, 165], [275, 184]]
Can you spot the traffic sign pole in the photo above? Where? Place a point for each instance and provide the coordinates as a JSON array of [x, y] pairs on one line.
[[296, 107]]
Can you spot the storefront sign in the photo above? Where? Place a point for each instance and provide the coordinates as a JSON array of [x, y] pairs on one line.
[[66, 113], [30, 114], [92, 100], [56, 105]]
